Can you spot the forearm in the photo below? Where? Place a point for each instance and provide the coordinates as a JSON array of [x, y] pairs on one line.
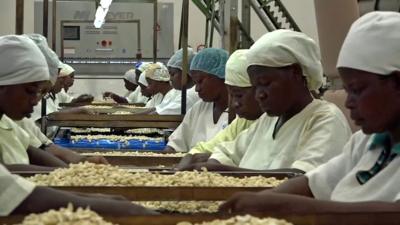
[[43, 158], [27, 167], [295, 186], [64, 154]]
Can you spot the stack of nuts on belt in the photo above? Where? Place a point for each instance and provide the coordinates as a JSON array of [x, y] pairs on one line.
[[90, 174], [122, 138], [242, 220], [65, 216], [182, 206]]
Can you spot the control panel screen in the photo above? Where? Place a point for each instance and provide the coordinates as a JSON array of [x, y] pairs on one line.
[[72, 33]]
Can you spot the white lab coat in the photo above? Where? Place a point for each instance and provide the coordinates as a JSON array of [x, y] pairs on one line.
[[14, 142], [136, 96], [155, 100], [63, 97], [36, 136], [336, 180], [171, 104], [305, 141], [13, 191], [197, 125]]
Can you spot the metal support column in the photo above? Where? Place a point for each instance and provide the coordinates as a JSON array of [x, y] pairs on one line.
[[185, 63], [155, 30], [19, 17], [43, 125], [229, 16], [54, 25], [246, 24], [264, 19]]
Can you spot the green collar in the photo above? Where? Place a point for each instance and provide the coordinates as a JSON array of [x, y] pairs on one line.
[[383, 140]]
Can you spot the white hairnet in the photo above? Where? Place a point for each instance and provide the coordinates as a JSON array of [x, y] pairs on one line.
[[211, 61], [142, 79], [176, 61], [372, 44], [143, 66], [130, 76], [157, 72], [66, 70], [282, 48], [236, 69], [51, 57], [21, 61]]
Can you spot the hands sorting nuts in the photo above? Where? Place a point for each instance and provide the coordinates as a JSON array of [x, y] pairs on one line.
[[89, 174], [182, 206]]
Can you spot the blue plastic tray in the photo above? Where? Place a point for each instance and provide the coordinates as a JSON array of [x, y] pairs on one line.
[[108, 144]]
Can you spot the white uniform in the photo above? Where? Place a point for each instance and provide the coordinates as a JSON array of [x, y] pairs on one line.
[[155, 100], [13, 191], [51, 106], [136, 96], [336, 180], [36, 136], [171, 104], [14, 142], [305, 141], [197, 125], [63, 97]]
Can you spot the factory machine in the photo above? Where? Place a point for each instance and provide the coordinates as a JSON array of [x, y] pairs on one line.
[[127, 35]]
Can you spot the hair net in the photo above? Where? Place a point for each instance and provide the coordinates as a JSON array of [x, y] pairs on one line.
[[157, 72], [211, 61], [372, 44], [143, 66], [66, 70], [130, 76], [51, 57], [176, 61], [236, 69], [21, 61], [142, 80], [282, 48]]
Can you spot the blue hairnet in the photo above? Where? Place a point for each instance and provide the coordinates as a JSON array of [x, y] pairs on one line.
[[211, 61], [176, 61]]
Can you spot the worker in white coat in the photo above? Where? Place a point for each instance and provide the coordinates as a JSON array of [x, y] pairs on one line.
[[364, 179], [68, 75], [23, 81], [131, 84], [297, 133], [209, 116], [172, 105], [243, 102]]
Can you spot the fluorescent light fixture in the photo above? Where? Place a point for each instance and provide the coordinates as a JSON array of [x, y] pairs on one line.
[[101, 13]]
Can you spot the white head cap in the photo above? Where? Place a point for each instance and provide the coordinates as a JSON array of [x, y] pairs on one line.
[[66, 70], [157, 72], [236, 69], [282, 48], [372, 44], [21, 61], [142, 79], [51, 57], [130, 76]]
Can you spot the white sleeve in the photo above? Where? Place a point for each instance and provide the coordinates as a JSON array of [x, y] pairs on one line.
[[231, 153], [13, 191], [171, 108], [180, 138], [323, 180], [323, 138]]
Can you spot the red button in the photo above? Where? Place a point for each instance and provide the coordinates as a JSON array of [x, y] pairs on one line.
[[109, 43], [104, 43]]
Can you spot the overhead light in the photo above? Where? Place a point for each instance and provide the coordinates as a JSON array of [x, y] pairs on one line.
[[101, 13]]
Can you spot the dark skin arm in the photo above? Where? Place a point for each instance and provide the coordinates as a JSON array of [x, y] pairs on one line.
[[115, 97], [214, 165], [27, 167], [84, 99], [43, 199], [294, 196], [43, 158], [69, 156]]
